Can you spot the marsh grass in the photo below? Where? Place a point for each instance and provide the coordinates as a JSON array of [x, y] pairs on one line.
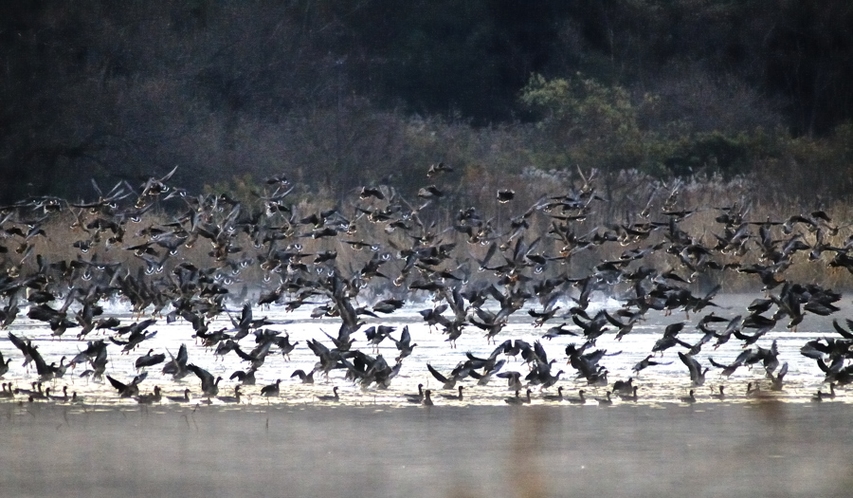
[[628, 194]]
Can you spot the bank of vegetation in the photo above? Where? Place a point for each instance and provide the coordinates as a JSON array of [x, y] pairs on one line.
[[753, 96]]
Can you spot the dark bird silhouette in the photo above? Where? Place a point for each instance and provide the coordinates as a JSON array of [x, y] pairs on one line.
[[209, 384], [130, 389], [149, 359]]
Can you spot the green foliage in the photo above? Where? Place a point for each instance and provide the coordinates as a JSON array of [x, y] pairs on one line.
[[590, 124]]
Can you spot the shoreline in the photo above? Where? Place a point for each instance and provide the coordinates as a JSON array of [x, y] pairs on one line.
[[764, 449]]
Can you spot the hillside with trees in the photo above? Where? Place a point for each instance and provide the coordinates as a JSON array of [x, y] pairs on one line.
[[337, 95]]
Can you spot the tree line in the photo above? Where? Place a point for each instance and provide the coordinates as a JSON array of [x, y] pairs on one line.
[[341, 94]]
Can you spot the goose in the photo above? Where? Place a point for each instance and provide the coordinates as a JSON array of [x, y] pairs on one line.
[[177, 366], [64, 397], [605, 401], [518, 400], [623, 387], [513, 380], [35, 388], [580, 400], [128, 390], [753, 391], [271, 389], [4, 365], [333, 397], [41, 394], [697, 374], [831, 393], [246, 378], [209, 385], [447, 382], [720, 395], [427, 401], [180, 399], [306, 378], [555, 397], [455, 397], [148, 399], [777, 380], [149, 359], [690, 398], [416, 398], [630, 397], [232, 399]]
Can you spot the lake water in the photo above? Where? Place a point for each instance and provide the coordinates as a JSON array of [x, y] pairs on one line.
[[657, 384]]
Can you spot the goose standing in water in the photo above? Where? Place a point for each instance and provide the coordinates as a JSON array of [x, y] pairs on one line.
[[630, 397], [427, 401], [180, 399], [455, 397], [720, 395], [555, 397], [518, 400], [831, 393], [753, 391], [333, 397], [416, 398], [271, 389], [148, 399], [232, 399], [690, 398], [605, 401], [623, 387], [580, 400]]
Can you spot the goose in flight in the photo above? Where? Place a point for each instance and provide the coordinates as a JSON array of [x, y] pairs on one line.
[[149, 359], [128, 390], [209, 384], [697, 374], [306, 378]]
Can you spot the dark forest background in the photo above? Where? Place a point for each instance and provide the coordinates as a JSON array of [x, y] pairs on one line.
[[339, 94]]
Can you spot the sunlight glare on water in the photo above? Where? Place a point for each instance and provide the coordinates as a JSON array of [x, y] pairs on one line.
[[662, 383]]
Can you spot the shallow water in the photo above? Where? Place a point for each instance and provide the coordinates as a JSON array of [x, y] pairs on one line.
[[769, 449], [658, 384]]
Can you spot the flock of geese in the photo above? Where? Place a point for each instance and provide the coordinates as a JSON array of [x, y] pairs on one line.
[[140, 247]]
